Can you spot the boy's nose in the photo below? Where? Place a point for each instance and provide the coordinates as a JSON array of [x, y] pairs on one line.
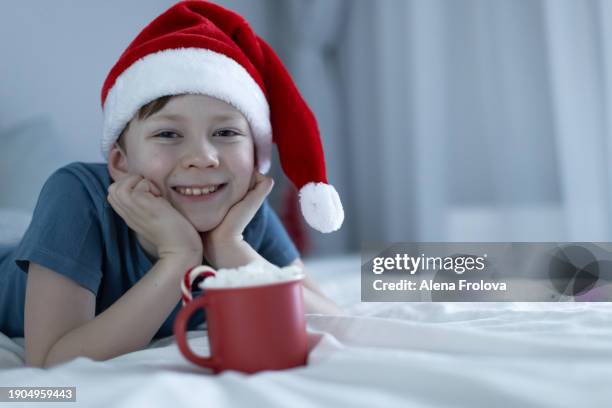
[[202, 156]]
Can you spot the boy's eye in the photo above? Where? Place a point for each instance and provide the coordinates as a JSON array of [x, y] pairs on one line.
[[226, 133], [167, 135]]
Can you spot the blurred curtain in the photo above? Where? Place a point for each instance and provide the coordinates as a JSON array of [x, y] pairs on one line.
[[462, 120], [481, 120], [579, 39]]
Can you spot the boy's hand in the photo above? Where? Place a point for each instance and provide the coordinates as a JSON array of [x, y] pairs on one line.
[[225, 242], [139, 202]]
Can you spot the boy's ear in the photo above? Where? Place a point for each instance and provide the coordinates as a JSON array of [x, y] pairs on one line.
[[117, 163]]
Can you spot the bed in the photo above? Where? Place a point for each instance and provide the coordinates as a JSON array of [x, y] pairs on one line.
[[374, 354]]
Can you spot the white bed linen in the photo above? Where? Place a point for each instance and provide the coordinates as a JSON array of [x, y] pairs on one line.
[[375, 354]]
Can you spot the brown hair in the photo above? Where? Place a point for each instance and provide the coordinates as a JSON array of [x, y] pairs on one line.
[[144, 112]]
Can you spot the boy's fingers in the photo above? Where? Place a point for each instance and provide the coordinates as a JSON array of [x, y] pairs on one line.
[[154, 189], [244, 211], [147, 186], [115, 204], [142, 185], [256, 179], [127, 184], [132, 181], [260, 190]]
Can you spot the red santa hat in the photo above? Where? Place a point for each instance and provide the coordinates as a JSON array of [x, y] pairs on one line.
[[196, 47]]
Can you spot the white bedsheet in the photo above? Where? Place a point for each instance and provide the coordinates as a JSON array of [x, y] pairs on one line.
[[376, 354]]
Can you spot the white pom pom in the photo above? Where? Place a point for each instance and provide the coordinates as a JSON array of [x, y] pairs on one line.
[[321, 207]]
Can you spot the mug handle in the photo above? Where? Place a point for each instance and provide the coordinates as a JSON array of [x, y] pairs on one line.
[[180, 331]]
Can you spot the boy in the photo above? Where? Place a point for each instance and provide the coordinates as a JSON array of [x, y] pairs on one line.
[[189, 108]]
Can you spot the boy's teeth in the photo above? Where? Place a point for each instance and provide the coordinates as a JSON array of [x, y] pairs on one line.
[[197, 191]]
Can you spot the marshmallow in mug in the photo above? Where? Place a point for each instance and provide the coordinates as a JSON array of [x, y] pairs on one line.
[[255, 273]]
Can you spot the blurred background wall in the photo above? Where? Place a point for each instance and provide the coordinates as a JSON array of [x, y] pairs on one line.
[[442, 120]]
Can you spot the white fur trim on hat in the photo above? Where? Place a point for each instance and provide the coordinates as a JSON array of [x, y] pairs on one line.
[[321, 207], [192, 71]]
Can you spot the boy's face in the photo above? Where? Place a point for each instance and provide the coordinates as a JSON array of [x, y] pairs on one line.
[[194, 140]]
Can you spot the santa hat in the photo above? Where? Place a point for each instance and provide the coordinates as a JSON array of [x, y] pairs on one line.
[[197, 47]]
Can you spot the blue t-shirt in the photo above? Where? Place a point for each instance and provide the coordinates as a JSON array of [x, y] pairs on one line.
[[76, 232]]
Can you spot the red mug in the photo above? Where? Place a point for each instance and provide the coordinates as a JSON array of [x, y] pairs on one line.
[[250, 328]]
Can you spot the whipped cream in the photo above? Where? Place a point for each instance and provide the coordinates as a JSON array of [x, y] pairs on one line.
[[253, 274]]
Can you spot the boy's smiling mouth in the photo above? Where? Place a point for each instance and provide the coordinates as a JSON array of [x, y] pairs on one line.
[[198, 192]]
